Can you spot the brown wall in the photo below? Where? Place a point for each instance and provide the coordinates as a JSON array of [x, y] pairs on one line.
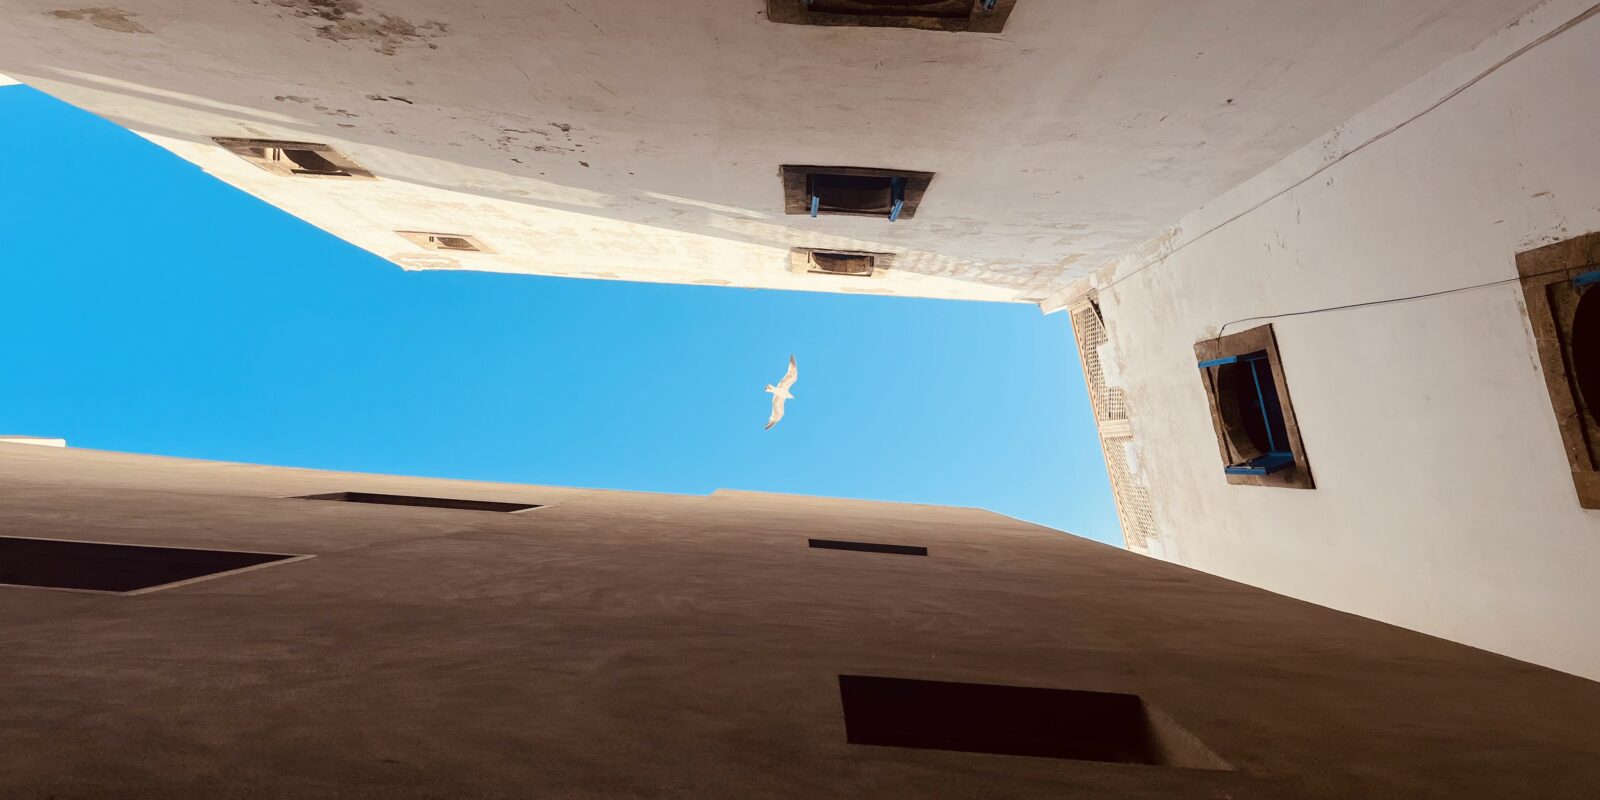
[[628, 645]]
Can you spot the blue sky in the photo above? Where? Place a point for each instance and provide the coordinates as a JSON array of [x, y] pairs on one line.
[[149, 308]]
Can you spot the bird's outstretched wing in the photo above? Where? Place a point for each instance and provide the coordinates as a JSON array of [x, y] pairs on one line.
[[777, 411], [790, 376]]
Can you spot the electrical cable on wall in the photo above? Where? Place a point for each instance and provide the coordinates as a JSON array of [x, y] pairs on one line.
[[1347, 306], [1563, 28]]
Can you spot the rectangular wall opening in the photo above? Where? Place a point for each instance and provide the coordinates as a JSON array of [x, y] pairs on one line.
[[849, 263], [1561, 292], [985, 16], [113, 567], [1251, 410], [425, 502], [869, 547], [891, 194], [842, 263], [302, 159], [454, 242], [1017, 721], [310, 162]]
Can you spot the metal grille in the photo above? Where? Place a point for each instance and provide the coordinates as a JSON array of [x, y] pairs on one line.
[[1110, 405], [1133, 498], [1109, 402]]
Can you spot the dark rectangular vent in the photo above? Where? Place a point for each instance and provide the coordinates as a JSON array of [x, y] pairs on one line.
[[842, 263], [1016, 721], [282, 157], [425, 502], [984, 16], [852, 263], [938, 9], [454, 242], [113, 567], [868, 547], [892, 194]]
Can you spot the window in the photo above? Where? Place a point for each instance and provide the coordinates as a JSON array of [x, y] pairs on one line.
[[842, 263], [1017, 721], [298, 159], [852, 263], [982, 16], [868, 547], [1250, 410], [455, 242], [1561, 287], [425, 502], [853, 191], [121, 568]]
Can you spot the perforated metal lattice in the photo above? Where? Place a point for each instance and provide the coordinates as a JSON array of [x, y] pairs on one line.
[[1110, 405], [1132, 497], [1108, 401]]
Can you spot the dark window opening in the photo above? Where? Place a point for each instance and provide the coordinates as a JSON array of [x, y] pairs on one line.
[[294, 158], [857, 194], [1561, 296], [1251, 411], [842, 263], [869, 547], [452, 243], [1017, 721], [983, 16], [1586, 344], [854, 191], [947, 9], [1252, 415], [425, 502], [113, 567], [310, 162]]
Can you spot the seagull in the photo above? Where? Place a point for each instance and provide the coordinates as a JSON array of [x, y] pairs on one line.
[[780, 393]]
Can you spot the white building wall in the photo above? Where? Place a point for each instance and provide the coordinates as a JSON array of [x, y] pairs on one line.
[[641, 139], [1443, 499]]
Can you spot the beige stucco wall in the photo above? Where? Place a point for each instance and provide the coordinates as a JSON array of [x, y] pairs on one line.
[[617, 644]]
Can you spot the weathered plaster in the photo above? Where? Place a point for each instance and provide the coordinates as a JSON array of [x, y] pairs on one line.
[[642, 139], [1443, 499]]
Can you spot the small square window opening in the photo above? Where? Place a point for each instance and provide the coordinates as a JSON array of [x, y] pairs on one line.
[[1561, 292], [849, 263], [452, 242], [868, 547], [853, 191], [294, 159], [1017, 721], [983, 16], [1251, 411], [373, 498], [116, 568]]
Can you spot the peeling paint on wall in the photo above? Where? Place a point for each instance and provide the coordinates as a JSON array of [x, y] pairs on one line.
[[104, 18], [348, 20]]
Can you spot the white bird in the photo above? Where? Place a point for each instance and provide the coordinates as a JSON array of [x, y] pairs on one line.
[[780, 393]]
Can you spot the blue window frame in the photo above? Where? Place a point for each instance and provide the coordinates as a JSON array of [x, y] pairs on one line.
[[854, 193], [1245, 386]]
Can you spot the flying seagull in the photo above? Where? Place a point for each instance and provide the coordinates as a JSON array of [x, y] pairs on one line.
[[780, 393]]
